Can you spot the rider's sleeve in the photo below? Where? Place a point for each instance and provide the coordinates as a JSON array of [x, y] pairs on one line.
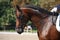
[[54, 9]]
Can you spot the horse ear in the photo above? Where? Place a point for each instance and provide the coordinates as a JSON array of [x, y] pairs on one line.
[[18, 8]]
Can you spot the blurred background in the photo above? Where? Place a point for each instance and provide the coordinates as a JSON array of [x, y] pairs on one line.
[[7, 11]]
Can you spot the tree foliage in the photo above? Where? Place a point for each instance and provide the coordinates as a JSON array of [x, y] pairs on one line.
[[7, 12], [7, 15]]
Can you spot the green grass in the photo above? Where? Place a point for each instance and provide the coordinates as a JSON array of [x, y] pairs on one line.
[[11, 30], [34, 31], [7, 30]]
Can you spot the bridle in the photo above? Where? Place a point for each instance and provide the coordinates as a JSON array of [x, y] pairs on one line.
[[21, 17]]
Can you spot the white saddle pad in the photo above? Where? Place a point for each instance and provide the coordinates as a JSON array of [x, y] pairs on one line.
[[58, 23]]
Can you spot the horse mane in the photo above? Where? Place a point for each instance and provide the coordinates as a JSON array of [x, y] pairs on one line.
[[37, 8], [41, 10]]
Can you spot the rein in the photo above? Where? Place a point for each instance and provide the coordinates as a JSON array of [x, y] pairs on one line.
[[55, 14]]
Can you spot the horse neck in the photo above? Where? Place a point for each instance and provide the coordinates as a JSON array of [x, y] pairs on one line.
[[46, 27], [43, 24], [48, 22]]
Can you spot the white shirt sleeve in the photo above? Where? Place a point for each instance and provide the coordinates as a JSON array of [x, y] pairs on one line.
[[54, 9]]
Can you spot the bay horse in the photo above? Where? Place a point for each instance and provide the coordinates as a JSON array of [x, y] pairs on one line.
[[41, 18]]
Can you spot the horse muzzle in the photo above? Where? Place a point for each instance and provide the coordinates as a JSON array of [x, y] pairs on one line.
[[19, 30]]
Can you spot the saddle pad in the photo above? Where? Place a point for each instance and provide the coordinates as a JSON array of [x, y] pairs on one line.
[[58, 23]]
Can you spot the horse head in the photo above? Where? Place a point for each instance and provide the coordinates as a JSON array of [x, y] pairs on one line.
[[21, 20]]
